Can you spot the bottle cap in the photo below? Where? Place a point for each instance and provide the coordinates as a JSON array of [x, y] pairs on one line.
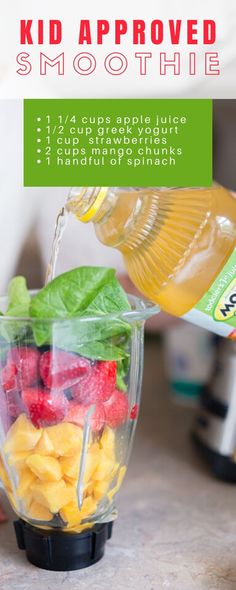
[[95, 206], [60, 551]]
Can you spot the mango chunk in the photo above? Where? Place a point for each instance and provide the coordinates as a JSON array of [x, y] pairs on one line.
[[70, 465], [92, 461], [26, 480], [116, 488], [45, 468], [100, 489], [88, 489], [107, 442], [104, 467], [38, 512], [66, 438], [73, 516], [89, 507], [45, 446], [80, 528], [70, 480], [22, 436], [4, 477], [53, 495], [17, 460]]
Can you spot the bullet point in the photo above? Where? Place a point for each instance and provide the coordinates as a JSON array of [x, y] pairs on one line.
[[38, 151], [38, 129], [38, 118], [38, 161], [38, 140]]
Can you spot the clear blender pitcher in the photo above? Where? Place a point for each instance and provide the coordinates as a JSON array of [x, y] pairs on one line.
[[62, 471]]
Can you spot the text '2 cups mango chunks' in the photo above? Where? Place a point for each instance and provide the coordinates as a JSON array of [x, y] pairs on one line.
[[179, 246]]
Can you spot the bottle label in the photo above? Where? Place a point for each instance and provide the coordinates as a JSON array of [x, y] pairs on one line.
[[216, 310]]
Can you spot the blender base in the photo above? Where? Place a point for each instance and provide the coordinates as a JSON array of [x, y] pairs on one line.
[[60, 551], [222, 466]]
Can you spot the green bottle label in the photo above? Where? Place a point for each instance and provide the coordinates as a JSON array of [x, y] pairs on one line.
[[216, 310]]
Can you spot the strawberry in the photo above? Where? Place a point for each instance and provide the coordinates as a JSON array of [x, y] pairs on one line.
[[44, 407], [14, 403], [98, 385], [77, 413], [26, 361], [116, 409], [61, 370], [8, 376], [134, 412]]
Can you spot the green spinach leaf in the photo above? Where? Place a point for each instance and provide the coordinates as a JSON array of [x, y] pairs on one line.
[[18, 306], [83, 292]]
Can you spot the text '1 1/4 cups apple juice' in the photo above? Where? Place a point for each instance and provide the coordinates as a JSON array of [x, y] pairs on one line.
[[179, 246]]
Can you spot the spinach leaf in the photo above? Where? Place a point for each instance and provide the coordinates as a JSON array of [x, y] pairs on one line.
[[122, 371], [99, 351], [18, 298], [70, 293], [18, 306], [82, 292]]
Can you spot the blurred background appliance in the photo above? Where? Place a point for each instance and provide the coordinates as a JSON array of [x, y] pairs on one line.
[[215, 424]]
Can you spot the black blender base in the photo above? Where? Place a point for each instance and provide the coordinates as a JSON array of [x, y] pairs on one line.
[[60, 551], [223, 467]]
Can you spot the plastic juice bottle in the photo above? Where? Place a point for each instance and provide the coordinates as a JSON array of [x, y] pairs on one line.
[[179, 246]]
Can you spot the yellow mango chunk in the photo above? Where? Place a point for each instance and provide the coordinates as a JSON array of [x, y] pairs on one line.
[[80, 528], [88, 489], [116, 488], [89, 507], [17, 460], [53, 495], [71, 480], [92, 461], [22, 436], [26, 480], [28, 499], [100, 488], [107, 442], [45, 446], [104, 468], [45, 468], [73, 516], [38, 512], [70, 465], [4, 477], [114, 471], [66, 438]]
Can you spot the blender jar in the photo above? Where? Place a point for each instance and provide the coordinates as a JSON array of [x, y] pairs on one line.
[[67, 420]]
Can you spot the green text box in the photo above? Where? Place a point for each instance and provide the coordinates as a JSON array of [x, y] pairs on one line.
[[117, 142]]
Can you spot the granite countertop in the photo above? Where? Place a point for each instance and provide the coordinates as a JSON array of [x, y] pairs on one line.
[[176, 525]]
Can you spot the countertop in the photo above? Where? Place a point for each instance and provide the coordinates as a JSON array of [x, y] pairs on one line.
[[176, 525]]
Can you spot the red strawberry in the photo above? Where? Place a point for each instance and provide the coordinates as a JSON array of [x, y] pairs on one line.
[[8, 376], [116, 409], [44, 407], [98, 385], [134, 412], [77, 413], [26, 360], [14, 403], [61, 370]]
